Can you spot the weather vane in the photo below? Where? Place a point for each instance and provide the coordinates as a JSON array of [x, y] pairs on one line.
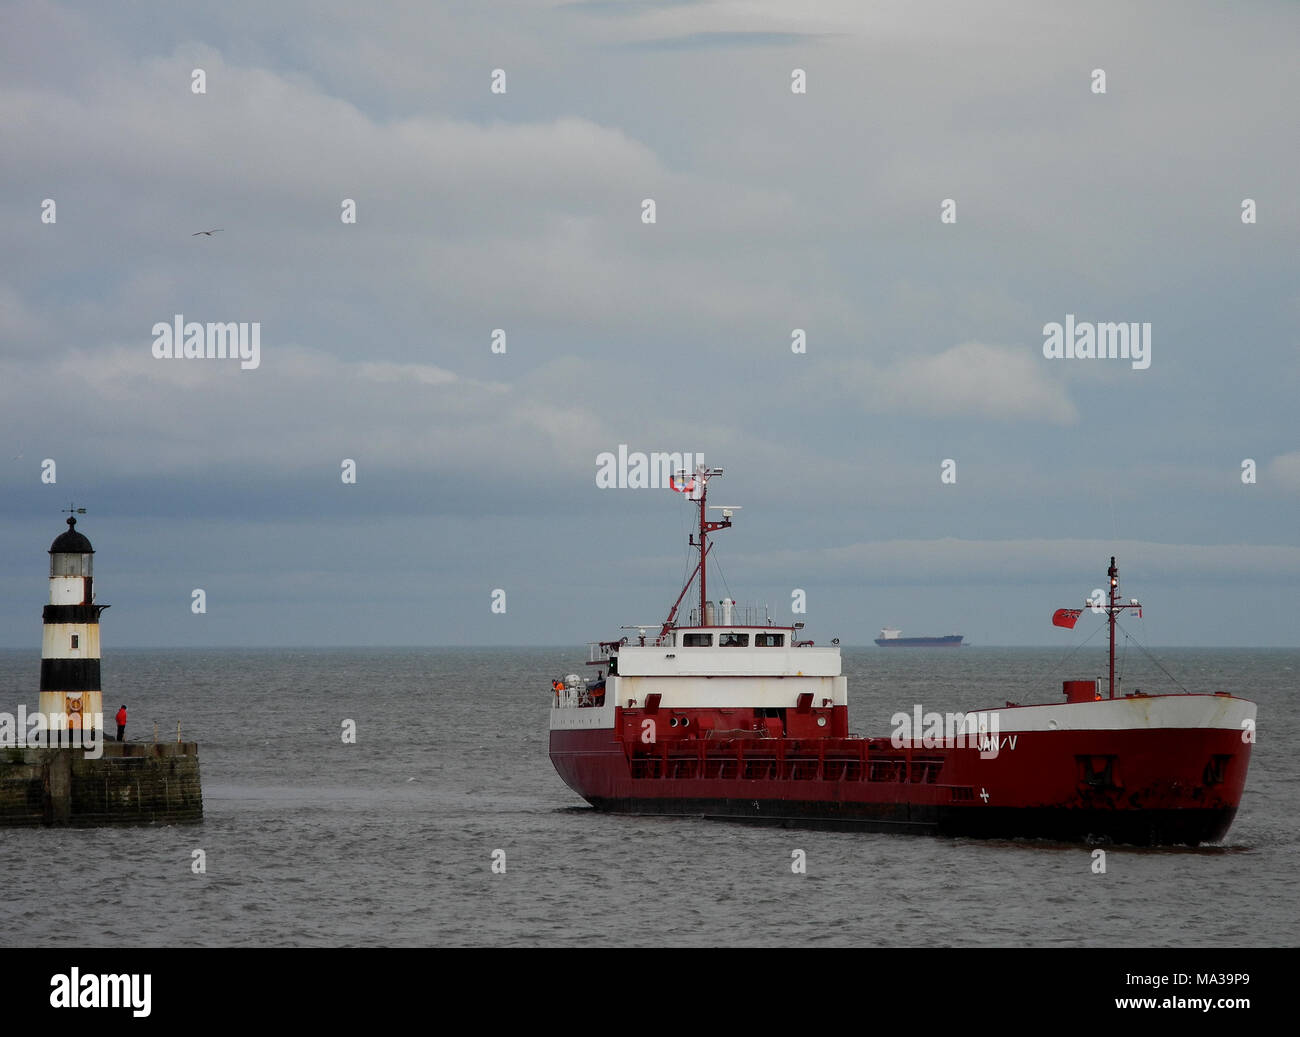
[[74, 510]]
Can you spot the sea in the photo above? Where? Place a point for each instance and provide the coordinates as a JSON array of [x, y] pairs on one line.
[[444, 823]]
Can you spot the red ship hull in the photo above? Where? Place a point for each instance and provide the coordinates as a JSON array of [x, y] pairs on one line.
[[1175, 785]]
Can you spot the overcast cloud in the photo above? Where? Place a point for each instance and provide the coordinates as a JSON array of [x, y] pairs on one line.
[[775, 211]]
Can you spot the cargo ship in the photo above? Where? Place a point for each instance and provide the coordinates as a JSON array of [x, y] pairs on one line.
[[891, 638], [730, 715]]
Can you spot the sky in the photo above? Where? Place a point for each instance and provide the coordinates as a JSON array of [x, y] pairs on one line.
[[951, 179]]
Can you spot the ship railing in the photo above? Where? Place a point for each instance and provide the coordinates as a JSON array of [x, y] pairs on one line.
[[566, 699], [574, 697], [737, 615], [598, 652]]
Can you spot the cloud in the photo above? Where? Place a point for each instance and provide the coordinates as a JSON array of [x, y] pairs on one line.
[[968, 380], [299, 407], [535, 221], [521, 211], [627, 8], [724, 41], [949, 561], [1284, 470], [421, 374]]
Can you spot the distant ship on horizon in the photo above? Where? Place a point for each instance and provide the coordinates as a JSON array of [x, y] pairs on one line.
[[891, 638]]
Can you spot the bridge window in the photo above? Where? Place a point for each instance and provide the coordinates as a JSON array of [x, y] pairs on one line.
[[75, 639], [697, 640], [733, 640], [769, 640]]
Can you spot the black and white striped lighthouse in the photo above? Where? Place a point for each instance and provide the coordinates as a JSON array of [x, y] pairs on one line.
[[70, 645]]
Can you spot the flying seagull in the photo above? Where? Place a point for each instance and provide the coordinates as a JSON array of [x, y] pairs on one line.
[[209, 233]]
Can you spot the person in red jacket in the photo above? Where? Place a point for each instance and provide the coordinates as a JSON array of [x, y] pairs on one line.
[[121, 722]]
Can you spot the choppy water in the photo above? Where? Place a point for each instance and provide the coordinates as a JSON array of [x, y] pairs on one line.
[[388, 842]]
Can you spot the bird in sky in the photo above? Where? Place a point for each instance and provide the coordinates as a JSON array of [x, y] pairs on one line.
[[209, 233]]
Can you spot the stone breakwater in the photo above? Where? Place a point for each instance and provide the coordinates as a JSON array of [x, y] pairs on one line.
[[132, 783]]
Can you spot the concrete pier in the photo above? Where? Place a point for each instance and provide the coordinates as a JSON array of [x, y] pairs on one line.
[[132, 783]]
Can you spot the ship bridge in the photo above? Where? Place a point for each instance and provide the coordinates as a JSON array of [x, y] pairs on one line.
[[720, 666], [727, 652], [729, 667]]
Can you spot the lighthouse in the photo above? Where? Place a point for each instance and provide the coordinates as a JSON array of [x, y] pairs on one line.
[[56, 767], [70, 645]]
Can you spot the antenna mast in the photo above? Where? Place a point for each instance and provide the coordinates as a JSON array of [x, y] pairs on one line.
[[1112, 609], [1113, 572], [696, 487], [702, 476], [1067, 617]]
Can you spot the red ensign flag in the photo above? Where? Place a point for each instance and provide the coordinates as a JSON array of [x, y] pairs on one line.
[[1066, 617]]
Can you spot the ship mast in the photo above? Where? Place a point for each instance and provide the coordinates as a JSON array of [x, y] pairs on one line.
[[1068, 617], [696, 487], [706, 527], [1112, 609]]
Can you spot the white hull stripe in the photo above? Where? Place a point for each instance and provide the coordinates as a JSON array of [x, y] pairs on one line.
[[1142, 712]]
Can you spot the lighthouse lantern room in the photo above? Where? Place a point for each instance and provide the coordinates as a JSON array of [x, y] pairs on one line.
[[70, 645]]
